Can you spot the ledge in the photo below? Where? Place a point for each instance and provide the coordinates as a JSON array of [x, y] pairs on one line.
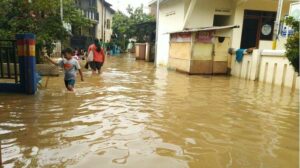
[[275, 53]]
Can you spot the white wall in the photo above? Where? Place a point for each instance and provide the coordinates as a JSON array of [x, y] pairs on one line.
[[203, 13], [269, 66], [108, 32], [171, 18], [203, 16], [99, 24], [263, 5]]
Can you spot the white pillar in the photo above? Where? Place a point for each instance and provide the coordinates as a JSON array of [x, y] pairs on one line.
[[189, 13], [147, 54], [156, 35], [255, 66], [277, 24]]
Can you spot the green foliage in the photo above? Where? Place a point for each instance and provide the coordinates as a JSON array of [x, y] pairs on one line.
[[40, 17], [120, 27], [292, 45], [126, 27]]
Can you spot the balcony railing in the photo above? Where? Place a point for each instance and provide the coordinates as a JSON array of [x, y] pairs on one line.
[[90, 14]]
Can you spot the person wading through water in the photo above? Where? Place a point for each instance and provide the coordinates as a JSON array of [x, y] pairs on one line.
[[98, 56]]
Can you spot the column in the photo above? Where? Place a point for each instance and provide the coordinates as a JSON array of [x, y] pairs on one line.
[[27, 62]]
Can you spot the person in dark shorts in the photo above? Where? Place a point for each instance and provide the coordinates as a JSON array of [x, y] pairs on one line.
[[96, 65], [98, 56]]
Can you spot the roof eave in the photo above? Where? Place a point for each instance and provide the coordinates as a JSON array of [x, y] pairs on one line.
[[205, 29], [153, 2]]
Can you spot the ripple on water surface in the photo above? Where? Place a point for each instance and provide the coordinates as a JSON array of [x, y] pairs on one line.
[[135, 115]]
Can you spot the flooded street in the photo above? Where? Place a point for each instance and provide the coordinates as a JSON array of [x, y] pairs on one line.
[[137, 116]]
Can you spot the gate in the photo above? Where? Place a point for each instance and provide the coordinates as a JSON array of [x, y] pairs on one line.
[[8, 62], [17, 64]]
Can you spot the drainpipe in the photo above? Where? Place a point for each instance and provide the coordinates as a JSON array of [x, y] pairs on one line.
[[61, 10], [105, 26], [156, 35], [102, 21], [277, 24]]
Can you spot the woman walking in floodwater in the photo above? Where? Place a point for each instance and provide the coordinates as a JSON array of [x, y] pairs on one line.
[[98, 56]]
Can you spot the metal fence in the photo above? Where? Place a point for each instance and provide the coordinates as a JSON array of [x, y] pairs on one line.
[[8, 60]]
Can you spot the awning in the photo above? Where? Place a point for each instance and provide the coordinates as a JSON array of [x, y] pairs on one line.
[[205, 29]]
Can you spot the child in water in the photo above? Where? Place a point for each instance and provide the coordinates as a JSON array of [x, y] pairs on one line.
[[70, 66]]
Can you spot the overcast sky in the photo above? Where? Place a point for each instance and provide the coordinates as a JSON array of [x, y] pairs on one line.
[[122, 4]]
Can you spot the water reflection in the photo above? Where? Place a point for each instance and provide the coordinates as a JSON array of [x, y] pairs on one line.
[[135, 115]]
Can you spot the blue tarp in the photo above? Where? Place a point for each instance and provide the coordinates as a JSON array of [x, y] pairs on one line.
[[240, 55], [38, 78]]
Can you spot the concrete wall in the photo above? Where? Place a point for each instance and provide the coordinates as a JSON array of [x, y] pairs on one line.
[[269, 66], [42, 69], [173, 12], [100, 23], [108, 31], [263, 5], [171, 18], [203, 13]]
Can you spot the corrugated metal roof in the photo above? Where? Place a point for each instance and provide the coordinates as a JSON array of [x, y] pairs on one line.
[[205, 29]]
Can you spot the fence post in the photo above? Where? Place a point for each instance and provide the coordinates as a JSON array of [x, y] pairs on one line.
[[27, 62], [254, 72]]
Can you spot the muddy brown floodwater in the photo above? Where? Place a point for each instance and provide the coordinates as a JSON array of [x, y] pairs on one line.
[[138, 116]]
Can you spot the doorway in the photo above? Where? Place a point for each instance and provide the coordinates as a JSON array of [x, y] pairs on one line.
[[257, 25]]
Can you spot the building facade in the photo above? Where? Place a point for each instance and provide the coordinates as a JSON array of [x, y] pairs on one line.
[[255, 19], [100, 14], [182, 46]]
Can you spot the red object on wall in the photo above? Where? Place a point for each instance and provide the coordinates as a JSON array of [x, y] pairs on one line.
[[181, 37], [204, 37]]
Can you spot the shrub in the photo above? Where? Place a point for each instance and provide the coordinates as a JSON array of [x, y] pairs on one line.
[[292, 45]]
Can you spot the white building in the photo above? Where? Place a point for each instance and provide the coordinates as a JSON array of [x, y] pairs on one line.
[[176, 15], [104, 27], [255, 19], [100, 13]]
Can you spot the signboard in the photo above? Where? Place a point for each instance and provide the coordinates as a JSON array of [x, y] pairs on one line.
[[204, 37], [223, 11], [181, 37], [285, 30]]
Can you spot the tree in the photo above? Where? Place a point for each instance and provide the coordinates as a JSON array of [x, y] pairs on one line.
[[40, 17], [121, 27], [292, 45], [132, 26], [137, 19]]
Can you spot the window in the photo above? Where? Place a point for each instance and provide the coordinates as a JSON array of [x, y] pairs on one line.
[[221, 20], [96, 16], [92, 2], [108, 24]]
